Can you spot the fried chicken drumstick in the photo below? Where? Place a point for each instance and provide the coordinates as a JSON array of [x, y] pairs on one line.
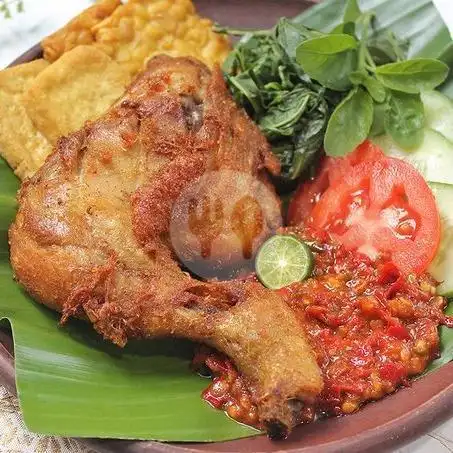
[[91, 238]]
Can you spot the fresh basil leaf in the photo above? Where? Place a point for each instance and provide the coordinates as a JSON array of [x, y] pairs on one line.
[[349, 124], [347, 28], [378, 126], [329, 60], [404, 119], [357, 77], [328, 45], [352, 11], [413, 76], [373, 86], [289, 35]]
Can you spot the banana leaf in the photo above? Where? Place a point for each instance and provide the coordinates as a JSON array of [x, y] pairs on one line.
[[72, 383], [416, 21]]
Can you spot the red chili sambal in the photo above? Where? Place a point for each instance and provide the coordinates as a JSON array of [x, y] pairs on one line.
[[370, 327]]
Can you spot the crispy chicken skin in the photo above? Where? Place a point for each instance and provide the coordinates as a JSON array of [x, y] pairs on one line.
[[91, 235]]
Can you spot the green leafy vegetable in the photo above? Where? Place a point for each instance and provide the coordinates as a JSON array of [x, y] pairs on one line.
[[378, 126], [289, 35], [290, 108], [350, 123], [387, 47], [413, 76], [404, 119], [347, 28], [291, 76], [329, 59], [300, 151], [373, 86]]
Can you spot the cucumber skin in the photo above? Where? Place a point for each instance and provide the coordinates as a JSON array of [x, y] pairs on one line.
[[442, 186], [443, 270], [438, 113], [433, 158]]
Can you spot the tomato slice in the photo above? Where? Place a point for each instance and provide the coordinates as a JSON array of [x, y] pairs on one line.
[[340, 167], [382, 206], [309, 193], [331, 171]]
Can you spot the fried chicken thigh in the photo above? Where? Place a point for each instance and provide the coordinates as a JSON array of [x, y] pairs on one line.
[[91, 238]]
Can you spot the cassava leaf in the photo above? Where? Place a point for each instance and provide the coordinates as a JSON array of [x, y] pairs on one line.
[[245, 90], [309, 140], [284, 113]]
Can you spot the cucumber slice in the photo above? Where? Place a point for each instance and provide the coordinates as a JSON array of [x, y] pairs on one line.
[[438, 113], [442, 266], [433, 158]]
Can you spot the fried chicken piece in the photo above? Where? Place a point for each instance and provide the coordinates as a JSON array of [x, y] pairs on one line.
[[91, 237]]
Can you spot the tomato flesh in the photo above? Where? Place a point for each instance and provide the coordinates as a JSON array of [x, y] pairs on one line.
[[331, 171], [309, 193], [382, 206]]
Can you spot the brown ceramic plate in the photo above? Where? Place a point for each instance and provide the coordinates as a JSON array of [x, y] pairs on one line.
[[380, 426]]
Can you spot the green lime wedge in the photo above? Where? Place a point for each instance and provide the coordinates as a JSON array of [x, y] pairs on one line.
[[282, 260]]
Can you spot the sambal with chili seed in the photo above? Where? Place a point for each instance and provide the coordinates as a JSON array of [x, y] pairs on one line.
[[371, 327]]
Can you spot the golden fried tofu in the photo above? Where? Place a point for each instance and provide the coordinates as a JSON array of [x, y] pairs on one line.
[[95, 56], [80, 86], [78, 31], [14, 80], [134, 32], [21, 144]]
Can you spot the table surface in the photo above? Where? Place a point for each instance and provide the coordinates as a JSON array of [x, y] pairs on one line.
[[16, 36]]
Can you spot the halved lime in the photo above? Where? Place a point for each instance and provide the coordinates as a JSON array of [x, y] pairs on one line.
[[283, 259]]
